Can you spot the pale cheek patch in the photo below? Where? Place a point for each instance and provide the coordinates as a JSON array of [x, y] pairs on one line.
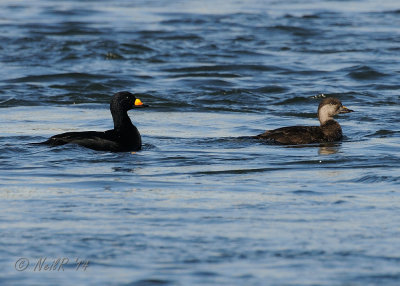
[[326, 113]]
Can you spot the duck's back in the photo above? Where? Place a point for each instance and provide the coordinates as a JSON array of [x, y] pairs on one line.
[[293, 135], [109, 140]]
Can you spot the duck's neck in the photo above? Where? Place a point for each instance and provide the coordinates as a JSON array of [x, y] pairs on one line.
[[121, 120], [332, 130], [325, 119]]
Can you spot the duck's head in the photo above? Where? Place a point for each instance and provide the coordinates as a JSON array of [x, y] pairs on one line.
[[330, 107], [124, 101]]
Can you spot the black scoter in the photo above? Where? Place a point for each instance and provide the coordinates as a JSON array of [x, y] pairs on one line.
[[328, 131], [123, 138]]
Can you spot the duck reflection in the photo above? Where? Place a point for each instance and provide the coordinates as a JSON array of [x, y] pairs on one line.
[[328, 148]]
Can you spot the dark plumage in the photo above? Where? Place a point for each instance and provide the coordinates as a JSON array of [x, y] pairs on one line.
[[328, 131], [124, 137]]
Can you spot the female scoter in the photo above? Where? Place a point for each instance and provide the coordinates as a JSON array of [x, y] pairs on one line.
[[328, 131], [124, 137]]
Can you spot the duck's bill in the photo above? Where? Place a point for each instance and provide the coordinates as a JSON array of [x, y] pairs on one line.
[[344, 109], [139, 103]]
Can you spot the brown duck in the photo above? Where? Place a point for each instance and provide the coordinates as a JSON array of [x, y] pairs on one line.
[[328, 131]]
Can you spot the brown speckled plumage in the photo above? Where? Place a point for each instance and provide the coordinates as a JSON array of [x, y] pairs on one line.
[[328, 131]]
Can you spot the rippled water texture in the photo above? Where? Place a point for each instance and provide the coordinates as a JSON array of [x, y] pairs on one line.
[[201, 204]]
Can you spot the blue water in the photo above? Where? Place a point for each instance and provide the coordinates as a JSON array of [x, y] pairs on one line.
[[199, 205]]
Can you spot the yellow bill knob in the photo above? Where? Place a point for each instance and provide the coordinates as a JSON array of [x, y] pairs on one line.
[[138, 102]]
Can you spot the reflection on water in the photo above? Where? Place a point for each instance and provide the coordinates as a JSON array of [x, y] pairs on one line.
[[323, 149], [329, 148]]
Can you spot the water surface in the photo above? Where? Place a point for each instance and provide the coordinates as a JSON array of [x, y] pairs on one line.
[[199, 205]]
